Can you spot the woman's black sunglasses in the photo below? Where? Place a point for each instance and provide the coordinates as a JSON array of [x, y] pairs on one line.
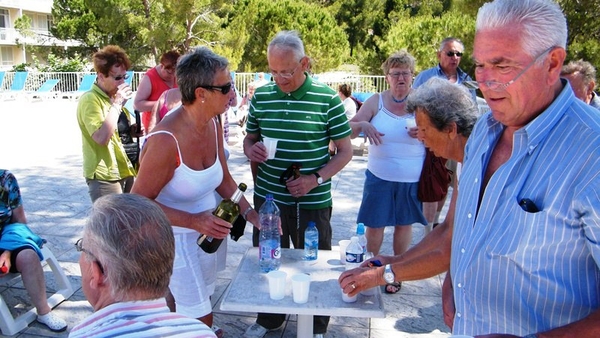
[[223, 89]]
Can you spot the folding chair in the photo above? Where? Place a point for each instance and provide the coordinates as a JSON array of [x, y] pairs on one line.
[[84, 86], [9, 325], [18, 85], [45, 90]]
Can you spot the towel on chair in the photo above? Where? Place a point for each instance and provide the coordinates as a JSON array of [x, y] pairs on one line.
[[17, 235]]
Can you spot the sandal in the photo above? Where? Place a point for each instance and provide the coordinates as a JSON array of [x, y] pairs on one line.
[[218, 331], [392, 288]]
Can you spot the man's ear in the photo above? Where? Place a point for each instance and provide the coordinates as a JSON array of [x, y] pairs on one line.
[[97, 278], [556, 58], [590, 88]]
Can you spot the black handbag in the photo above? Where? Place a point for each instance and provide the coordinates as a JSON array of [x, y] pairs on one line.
[[132, 148]]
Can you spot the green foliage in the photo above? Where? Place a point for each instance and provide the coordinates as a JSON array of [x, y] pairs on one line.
[[362, 32], [23, 67], [257, 21], [56, 64]]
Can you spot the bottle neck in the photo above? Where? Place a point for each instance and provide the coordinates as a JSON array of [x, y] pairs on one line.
[[237, 196]]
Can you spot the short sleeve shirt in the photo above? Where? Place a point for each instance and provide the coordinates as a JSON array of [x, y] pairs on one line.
[[10, 196]]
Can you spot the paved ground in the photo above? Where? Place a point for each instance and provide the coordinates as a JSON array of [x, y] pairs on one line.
[[42, 147]]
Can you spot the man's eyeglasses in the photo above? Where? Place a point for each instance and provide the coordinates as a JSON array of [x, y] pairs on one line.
[[120, 77], [286, 76], [79, 248], [500, 86], [223, 89], [451, 54], [403, 74]]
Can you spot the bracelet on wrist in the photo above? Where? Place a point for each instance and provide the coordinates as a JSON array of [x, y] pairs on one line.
[[246, 212]]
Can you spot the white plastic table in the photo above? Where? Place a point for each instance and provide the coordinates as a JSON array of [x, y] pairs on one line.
[[249, 290]]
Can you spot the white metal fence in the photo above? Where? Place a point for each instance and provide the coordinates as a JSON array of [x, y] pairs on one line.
[[69, 82]]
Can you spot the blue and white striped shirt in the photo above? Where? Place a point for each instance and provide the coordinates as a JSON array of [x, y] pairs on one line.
[[519, 272]]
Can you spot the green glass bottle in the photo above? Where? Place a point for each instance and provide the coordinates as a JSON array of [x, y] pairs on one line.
[[228, 210]]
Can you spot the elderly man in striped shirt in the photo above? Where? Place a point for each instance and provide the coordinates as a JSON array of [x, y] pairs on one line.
[[525, 251], [304, 115], [127, 257]]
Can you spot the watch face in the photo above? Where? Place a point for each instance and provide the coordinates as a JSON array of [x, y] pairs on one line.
[[320, 180]]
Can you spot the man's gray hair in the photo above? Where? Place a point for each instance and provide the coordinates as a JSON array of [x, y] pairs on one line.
[[288, 40], [542, 21], [132, 238], [449, 40], [198, 68], [445, 102], [587, 71]]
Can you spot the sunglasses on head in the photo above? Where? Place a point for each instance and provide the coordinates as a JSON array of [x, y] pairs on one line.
[[120, 77], [223, 89], [451, 54]]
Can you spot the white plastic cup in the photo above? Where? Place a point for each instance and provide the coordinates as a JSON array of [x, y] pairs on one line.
[[271, 145], [343, 245], [347, 298], [410, 123], [300, 287], [277, 284]]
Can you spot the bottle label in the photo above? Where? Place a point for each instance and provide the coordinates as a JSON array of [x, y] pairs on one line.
[[268, 251], [354, 258]]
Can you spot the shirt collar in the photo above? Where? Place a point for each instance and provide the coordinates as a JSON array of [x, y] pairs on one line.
[[298, 93]]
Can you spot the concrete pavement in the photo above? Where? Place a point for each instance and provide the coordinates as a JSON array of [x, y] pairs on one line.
[[41, 145]]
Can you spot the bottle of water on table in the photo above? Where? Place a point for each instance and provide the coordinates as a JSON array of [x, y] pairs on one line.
[[269, 243], [354, 254], [311, 242], [360, 233]]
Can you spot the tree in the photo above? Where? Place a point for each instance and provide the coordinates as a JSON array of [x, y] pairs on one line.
[[255, 22]]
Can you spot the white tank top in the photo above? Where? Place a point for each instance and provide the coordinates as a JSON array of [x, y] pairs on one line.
[[191, 190], [399, 158]]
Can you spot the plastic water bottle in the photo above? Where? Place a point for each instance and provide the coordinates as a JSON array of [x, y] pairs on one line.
[[311, 242], [354, 254], [269, 240], [360, 233]]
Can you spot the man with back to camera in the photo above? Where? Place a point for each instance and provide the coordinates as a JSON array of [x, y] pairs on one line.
[[126, 263], [582, 77], [304, 115]]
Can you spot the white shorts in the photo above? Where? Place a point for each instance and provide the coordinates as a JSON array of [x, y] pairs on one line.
[[194, 276]]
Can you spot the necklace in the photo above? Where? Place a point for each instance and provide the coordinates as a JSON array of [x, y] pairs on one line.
[[399, 101]]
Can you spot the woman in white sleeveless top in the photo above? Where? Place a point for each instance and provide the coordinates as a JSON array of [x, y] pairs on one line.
[[182, 165]]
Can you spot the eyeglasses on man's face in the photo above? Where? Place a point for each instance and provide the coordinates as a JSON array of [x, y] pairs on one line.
[[452, 53], [79, 248], [399, 74], [224, 89], [120, 77], [500, 86], [285, 75]]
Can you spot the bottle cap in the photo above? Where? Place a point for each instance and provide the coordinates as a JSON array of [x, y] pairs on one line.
[[311, 224], [360, 229], [242, 186]]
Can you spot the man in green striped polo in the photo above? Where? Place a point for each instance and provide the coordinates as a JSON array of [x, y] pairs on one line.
[[303, 115]]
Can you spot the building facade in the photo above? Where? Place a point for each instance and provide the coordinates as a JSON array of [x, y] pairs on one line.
[[13, 44]]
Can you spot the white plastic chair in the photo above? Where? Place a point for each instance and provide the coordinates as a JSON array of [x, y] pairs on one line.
[[9, 325]]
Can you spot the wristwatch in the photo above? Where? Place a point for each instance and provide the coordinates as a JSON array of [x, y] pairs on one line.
[[388, 274], [319, 178]]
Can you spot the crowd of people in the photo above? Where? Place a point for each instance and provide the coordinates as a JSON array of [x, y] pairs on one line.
[[519, 243]]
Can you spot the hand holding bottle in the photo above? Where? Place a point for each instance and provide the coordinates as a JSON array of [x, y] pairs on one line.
[[210, 225]]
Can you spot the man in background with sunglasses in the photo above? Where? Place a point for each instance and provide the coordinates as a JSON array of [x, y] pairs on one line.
[[449, 55]]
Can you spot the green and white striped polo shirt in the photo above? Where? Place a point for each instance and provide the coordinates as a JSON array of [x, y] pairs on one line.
[[303, 121]]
